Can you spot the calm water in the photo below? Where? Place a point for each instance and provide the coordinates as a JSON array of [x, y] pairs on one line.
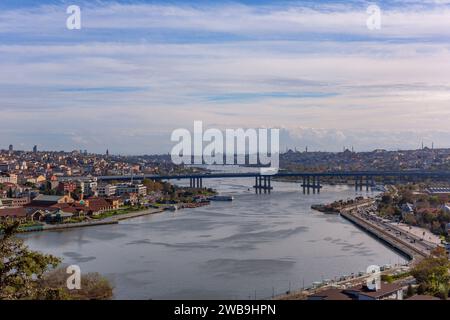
[[250, 247]]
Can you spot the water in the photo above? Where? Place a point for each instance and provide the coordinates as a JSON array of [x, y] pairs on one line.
[[251, 247]]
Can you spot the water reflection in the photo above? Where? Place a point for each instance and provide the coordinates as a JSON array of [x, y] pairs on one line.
[[259, 243]]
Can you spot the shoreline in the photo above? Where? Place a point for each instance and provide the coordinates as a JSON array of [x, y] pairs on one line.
[[106, 221], [373, 231]]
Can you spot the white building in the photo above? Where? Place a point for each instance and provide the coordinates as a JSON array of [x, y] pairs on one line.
[[123, 188], [8, 178], [107, 190]]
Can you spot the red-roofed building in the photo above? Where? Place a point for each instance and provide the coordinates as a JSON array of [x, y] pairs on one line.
[[97, 206], [15, 214]]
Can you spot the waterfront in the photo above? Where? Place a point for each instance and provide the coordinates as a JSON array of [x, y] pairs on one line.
[[256, 245]]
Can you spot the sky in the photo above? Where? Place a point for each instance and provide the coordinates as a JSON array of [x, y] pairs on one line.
[[137, 70]]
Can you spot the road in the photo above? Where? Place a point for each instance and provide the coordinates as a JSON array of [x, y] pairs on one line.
[[368, 215]]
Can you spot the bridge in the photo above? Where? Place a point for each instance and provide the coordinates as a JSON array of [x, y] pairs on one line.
[[311, 181]]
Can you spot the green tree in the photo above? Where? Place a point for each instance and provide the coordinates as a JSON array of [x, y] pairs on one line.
[[152, 185], [21, 268], [26, 274], [432, 273]]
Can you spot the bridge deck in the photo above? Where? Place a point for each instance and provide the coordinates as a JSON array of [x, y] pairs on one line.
[[369, 174]]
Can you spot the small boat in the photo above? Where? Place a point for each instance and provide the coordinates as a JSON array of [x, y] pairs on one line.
[[221, 198]]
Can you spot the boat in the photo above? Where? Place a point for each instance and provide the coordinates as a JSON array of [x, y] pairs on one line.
[[378, 188], [221, 198], [317, 284]]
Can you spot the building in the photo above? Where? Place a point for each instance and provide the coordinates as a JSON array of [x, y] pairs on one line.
[[8, 178], [11, 148], [386, 291], [438, 191], [4, 167], [407, 209], [90, 187], [330, 294], [107, 190], [35, 149], [97, 206], [14, 202], [67, 186], [128, 188], [47, 201], [14, 214]]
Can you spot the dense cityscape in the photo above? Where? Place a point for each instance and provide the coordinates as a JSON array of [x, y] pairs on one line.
[[224, 159]]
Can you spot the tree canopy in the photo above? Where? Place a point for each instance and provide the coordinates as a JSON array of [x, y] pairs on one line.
[[27, 274], [432, 273]]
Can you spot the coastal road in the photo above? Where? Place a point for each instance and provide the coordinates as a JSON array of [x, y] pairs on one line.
[[403, 239]]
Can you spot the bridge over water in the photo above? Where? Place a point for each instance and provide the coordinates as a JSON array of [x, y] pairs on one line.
[[311, 181]]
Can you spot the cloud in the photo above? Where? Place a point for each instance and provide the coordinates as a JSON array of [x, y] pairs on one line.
[[137, 71]]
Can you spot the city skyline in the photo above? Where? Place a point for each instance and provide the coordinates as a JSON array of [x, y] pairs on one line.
[[137, 70]]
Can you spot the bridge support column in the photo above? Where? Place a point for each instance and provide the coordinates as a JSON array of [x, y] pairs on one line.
[[318, 185], [191, 182], [367, 184], [314, 184], [262, 183], [304, 185], [308, 184], [356, 183], [265, 184], [360, 183]]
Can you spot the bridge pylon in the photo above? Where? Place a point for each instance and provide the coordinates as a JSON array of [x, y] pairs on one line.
[[262, 183]]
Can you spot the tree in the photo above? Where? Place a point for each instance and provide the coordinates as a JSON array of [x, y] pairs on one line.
[[152, 185], [386, 199], [21, 268], [432, 273], [93, 287], [26, 274], [410, 291]]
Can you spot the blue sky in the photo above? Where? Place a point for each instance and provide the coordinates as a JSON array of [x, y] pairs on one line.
[[137, 70]]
